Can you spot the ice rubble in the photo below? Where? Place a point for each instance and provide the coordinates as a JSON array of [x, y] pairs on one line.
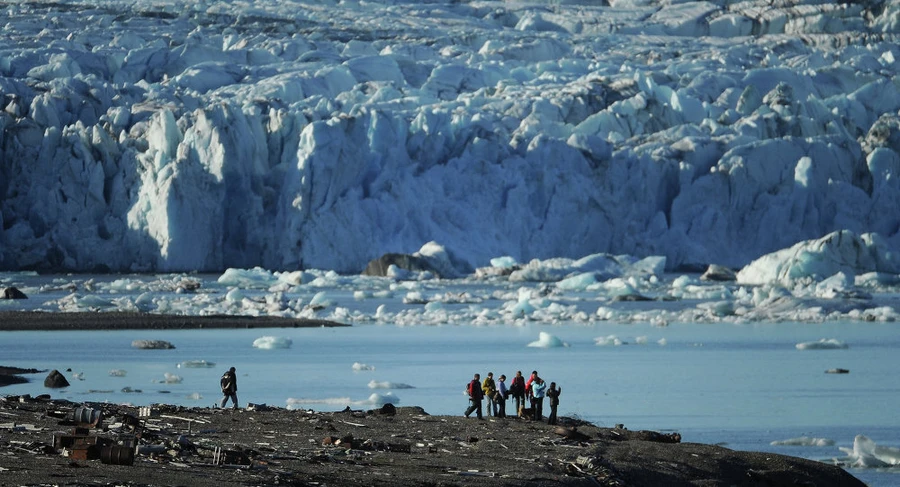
[[165, 136], [866, 454], [788, 285]]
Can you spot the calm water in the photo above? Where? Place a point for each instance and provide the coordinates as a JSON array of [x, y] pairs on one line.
[[739, 385]]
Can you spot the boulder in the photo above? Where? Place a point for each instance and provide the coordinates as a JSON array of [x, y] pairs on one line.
[[718, 273], [13, 293], [379, 267], [56, 380]]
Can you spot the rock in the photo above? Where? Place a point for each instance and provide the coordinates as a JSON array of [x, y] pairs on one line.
[[56, 380], [13, 293], [152, 344], [379, 267], [718, 273]]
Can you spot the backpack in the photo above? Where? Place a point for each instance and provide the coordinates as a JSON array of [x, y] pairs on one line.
[[469, 389]]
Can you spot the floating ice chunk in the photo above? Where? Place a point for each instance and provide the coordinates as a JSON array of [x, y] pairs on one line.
[[78, 375], [823, 344], [117, 373], [609, 340], [256, 278], [442, 261], [547, 340], [271, 342], [196, 364], [718, 308], [152, 344], [235, 296], [834, 286], [320, 301], [373, 384], [195, 396], [641, 340], [414, 297], [866, 454], [293, 402], [578, 282], [662, 342], [381, 399], [361, 367], [505, 262], [169, 379], [803, 441], [605, 267]]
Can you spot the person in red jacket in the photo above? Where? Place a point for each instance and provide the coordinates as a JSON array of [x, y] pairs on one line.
[[475, 396], [517, 390], [528, 392]]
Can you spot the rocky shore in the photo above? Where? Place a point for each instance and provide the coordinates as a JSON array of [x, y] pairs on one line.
[[54, 442]]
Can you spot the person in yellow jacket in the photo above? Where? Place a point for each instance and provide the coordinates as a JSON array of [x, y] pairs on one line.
[[489, 387]]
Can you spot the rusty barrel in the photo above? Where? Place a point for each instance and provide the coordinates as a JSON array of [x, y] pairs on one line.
[[87, 415], [117, 455]]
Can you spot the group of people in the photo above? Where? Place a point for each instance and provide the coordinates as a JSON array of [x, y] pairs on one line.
[[533, 390]]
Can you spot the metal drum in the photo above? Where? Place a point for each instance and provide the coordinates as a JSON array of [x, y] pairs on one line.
[[87, 415], [117, 455]]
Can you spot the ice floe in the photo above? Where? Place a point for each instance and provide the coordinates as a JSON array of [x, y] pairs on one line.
[[546, 340], [272, 342], [823, 344]]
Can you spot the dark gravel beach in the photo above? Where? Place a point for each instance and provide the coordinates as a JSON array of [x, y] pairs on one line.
[[38, 320], [42, 443]]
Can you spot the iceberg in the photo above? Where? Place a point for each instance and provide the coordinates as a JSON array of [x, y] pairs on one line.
[[546, 340], [841, 252], [272, 342]]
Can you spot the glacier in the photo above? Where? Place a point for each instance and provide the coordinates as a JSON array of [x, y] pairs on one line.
[[170, 136]]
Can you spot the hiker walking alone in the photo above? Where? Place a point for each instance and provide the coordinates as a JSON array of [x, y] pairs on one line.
[[553, 393], [475, 395], [229, 388]]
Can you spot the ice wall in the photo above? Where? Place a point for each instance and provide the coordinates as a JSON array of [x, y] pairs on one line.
[[167, 136]]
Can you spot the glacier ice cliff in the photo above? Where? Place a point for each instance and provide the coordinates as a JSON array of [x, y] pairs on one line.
[[171, 136]]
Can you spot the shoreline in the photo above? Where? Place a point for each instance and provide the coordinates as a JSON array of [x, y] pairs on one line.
[[121, 320], [389, 446]]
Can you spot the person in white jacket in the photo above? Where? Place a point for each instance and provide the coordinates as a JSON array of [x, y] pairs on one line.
[[538, 391]]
